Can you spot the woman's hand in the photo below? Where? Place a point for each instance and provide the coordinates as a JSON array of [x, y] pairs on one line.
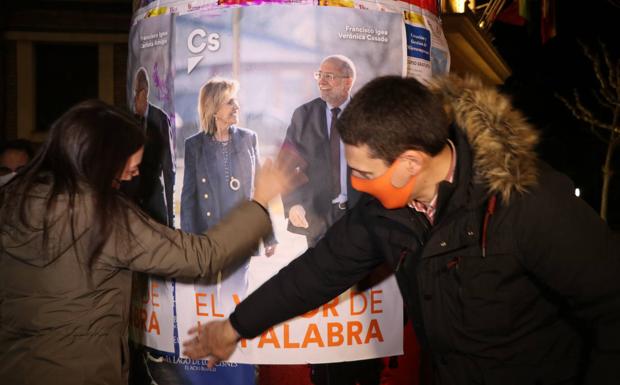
[[278, 177], [297, 216]]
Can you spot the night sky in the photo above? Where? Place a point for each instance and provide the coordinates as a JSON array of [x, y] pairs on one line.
[[559, 66]]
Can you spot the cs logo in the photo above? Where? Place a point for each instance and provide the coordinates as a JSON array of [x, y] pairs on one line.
[[197, 41]]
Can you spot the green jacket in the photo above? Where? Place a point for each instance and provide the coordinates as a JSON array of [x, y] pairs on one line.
[[62, 322]]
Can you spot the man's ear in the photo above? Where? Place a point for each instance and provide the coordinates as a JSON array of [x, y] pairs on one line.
[[414, 161], [349, 83]]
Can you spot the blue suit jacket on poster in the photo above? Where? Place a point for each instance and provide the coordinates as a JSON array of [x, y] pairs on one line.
[[199, 197], [200, 209], [199, 201]]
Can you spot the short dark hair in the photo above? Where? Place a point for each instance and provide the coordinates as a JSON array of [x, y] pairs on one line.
[[391, 115], [22, 145]]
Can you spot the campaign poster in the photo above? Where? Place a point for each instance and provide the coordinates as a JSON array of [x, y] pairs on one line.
[[274, 53], [270, 75], [426, 45]]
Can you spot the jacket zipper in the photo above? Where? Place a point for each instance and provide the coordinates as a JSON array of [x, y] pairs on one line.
[[427, 230]]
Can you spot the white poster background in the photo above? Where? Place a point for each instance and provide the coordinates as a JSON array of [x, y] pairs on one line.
[[152, 318], [421, 69], [357, 328]]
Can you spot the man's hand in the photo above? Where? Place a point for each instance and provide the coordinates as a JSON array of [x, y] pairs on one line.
[[297, 216], [216, 340]]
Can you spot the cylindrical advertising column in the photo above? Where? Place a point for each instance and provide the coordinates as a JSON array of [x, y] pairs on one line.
[[219, 87]]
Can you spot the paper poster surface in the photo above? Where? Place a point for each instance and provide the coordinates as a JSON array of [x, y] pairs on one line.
[[274, 58], [288, 61]]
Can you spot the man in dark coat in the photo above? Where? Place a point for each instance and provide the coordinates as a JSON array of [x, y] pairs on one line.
[[508, 276], [316, 205], [153, 190], [156, 181]]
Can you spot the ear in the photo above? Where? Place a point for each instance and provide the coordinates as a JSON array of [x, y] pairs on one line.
[[349, 82], [414, 161]]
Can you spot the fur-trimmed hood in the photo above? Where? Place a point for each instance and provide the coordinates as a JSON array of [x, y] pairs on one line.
[[501, 139]]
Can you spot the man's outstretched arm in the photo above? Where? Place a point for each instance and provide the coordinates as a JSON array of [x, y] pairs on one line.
[[341, 259]]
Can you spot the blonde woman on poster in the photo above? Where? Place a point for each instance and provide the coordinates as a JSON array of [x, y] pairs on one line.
[[221, 162]]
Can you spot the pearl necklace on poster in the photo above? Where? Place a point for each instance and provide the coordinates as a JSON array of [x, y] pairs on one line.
[[233, 182]]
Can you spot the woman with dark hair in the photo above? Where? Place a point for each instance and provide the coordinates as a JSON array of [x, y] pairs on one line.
[[69, 241]]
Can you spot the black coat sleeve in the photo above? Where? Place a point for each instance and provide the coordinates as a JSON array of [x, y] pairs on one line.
[[344, 256], [567, 246]]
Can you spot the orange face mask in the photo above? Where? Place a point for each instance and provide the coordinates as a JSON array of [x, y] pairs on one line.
[[381, 187]]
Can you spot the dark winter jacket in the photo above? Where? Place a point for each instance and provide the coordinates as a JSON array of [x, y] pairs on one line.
[[517, 281]]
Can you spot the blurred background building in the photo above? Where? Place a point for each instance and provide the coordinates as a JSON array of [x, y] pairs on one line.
[[55, 53]]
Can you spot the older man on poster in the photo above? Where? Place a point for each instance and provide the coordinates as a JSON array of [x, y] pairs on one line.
[[312, 208], [156, 181], [153, 191]]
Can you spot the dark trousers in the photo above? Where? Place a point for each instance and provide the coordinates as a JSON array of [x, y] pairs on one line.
[[366, 372]]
